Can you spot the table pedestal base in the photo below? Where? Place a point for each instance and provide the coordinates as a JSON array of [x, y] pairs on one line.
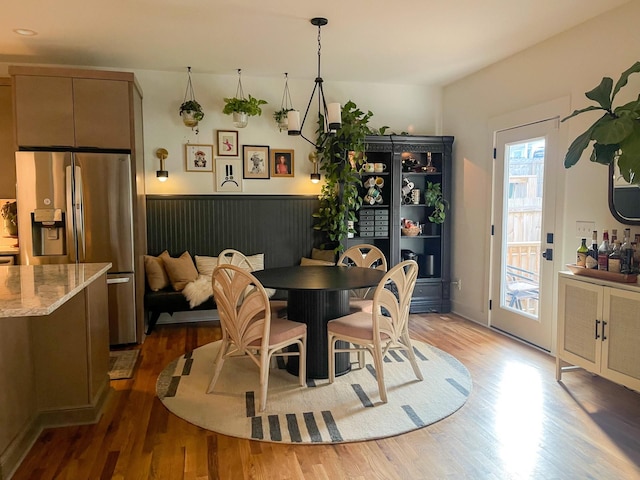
[[316, 308]]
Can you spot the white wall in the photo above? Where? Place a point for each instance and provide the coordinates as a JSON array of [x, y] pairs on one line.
[[401, 107], [566, 65]]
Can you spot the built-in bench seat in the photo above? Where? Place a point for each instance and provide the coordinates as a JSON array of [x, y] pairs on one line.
[[280, 226]]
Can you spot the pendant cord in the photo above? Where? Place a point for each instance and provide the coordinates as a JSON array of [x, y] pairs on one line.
[[188, 93], [239, 91], [286, 103]]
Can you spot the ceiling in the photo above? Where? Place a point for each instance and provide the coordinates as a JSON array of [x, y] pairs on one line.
[[424, 42]]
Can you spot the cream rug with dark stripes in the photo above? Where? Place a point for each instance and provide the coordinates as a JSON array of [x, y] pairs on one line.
[[348, 410]]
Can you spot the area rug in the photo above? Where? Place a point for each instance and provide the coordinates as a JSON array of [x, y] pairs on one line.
[[348, 410], [122, 363]]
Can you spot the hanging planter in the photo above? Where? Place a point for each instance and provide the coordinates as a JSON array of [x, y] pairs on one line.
[[286, 106], [190, 110], [242, 108]]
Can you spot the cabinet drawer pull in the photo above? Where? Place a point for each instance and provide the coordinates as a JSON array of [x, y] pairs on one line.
[[597, 325]]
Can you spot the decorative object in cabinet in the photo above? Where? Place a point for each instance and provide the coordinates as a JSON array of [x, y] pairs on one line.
[[599, 328]]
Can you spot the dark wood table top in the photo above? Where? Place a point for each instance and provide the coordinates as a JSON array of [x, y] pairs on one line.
[[319, 277]]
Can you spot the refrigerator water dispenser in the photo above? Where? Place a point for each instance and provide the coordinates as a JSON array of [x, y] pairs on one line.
[[48, 232]]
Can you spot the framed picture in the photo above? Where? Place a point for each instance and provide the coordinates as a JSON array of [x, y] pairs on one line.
[[228, 175], [199, 158], [256, 161], [227, 143], [281, 163]]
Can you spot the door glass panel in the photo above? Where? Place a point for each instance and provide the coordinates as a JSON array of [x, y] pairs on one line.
[[521, 232]]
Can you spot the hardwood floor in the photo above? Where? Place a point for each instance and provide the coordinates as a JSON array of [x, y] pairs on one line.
[[518, 423]]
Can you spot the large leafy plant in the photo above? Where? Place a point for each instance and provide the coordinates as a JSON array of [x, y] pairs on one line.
[[433, 198], [339, 197], [616, 135]]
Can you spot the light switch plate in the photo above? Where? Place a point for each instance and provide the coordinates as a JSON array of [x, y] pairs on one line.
[[585, 229]]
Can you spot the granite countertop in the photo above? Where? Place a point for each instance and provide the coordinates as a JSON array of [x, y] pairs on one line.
[[33, 290]]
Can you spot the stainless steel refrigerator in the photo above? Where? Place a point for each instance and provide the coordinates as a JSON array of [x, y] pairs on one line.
[[77, 207]]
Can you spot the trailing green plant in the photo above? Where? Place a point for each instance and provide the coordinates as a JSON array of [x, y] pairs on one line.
[[250, 106], [340, 198], [433, 198], [616, 135], [193, 106]]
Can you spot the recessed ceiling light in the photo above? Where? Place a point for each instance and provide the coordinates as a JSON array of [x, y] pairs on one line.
[[25, 32]]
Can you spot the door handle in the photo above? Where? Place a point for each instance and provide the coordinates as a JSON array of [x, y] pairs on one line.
[[597, 325], [548, 254], [111, 281]]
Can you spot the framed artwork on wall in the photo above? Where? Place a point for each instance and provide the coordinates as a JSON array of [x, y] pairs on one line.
[[228, 175], [281, 163], [227, 143], [256, 161], [199, 158]]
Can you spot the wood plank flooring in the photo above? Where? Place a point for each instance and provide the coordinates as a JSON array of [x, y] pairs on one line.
[[518, 423]]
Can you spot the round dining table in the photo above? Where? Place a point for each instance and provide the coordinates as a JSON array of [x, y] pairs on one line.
[[317, 294]]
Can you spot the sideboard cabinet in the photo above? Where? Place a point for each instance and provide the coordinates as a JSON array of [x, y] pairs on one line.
[[599, 328], [405, 160]]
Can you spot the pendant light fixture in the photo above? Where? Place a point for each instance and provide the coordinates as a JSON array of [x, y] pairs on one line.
[[330, 113]]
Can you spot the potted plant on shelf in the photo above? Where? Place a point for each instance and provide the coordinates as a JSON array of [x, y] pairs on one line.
[[616, 134], [433, 198], [242, 108], [191, 113], [9, 212], [339, 197]]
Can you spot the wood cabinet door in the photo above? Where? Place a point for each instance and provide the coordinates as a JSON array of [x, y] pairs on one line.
[[102, 113], [7, 149], [621, 355], [44, 111], [579, 307]]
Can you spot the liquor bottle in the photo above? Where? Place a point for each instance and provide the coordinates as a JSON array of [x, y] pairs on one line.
[[582, 254], [615, 260], [626, 253], [603, 252], [614, 237], [592, 254]]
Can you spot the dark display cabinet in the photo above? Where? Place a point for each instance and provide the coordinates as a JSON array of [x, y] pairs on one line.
[[407, 163]]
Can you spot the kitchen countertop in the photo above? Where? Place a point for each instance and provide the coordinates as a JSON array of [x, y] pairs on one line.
[[33, 290]]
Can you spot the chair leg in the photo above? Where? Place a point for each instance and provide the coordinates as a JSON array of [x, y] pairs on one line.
[[361, 361], [412, 356], [218, 365], [377, 360], [265, 359], [332, 358], [302, 360]]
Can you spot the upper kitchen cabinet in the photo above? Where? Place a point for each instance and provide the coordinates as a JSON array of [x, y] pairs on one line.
[[7, 163], [68, 108]]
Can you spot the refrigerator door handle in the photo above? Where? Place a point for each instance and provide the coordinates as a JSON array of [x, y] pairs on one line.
[[70, 216], [111, 281], [79, 214]]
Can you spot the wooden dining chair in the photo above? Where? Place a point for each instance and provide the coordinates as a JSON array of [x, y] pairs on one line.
[[249, 329], [231, 256], [366, 256], [387, 328]]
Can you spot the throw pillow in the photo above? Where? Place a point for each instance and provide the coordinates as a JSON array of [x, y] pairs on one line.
[[156, 274], [305, 262], [326, 255], [205, 265], [181, 270]]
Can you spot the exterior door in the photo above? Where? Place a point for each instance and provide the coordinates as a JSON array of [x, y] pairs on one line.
[[523, 221]]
